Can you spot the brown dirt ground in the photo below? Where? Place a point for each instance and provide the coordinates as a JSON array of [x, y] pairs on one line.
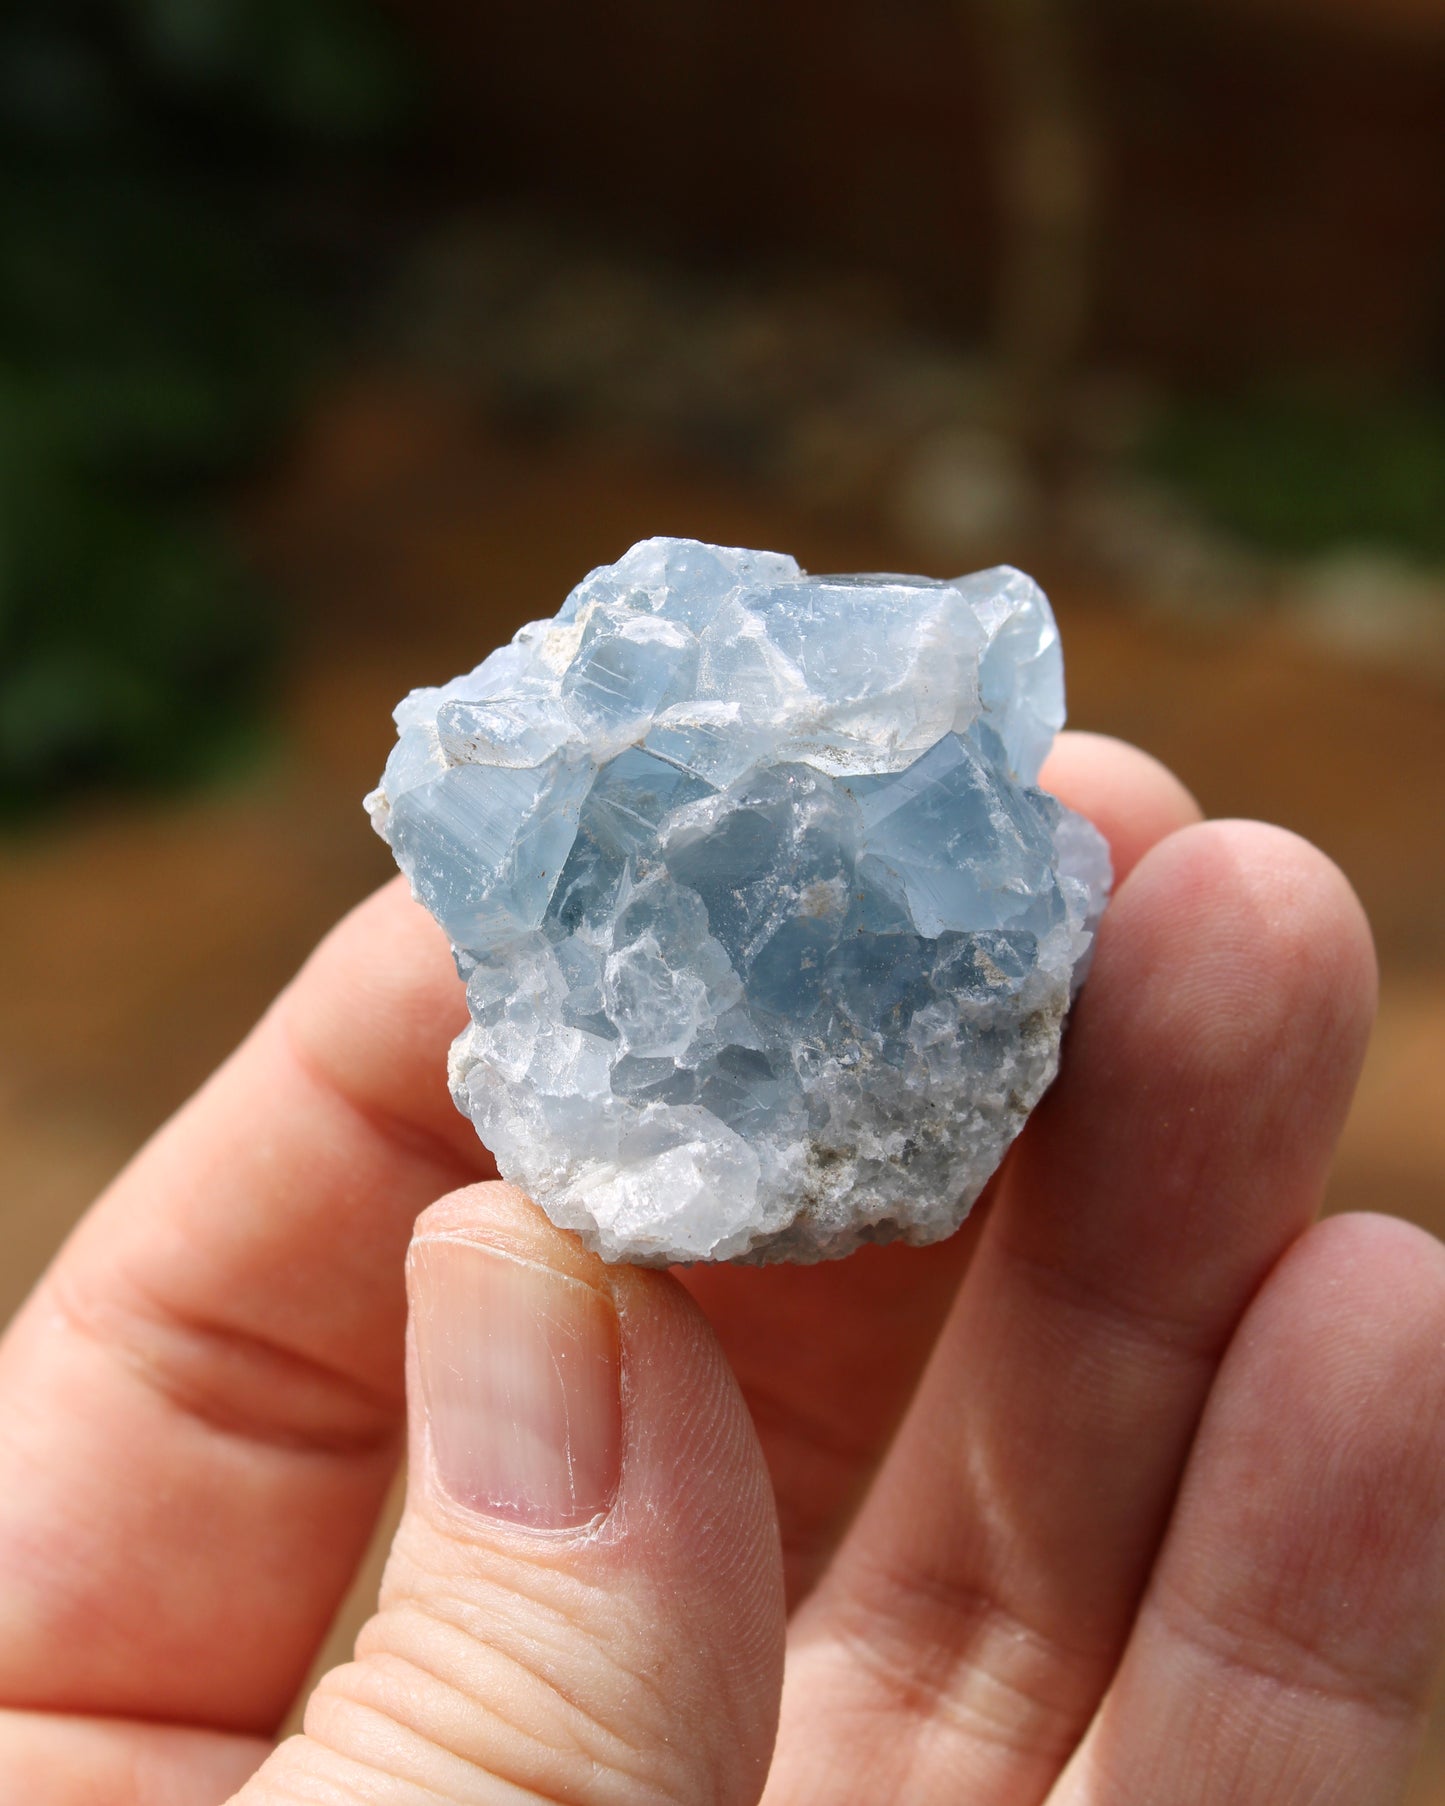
[[141, 941]]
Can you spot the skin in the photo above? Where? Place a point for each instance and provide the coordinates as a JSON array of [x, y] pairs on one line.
[[1131, 1491]]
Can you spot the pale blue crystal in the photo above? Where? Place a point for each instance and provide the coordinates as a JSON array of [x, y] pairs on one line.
[[623, 668], [769, 935]]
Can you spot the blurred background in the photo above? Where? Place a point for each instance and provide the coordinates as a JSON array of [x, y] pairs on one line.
[[339, 337]]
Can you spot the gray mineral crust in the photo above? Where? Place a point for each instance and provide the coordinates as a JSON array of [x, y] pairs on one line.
[[768, 933]]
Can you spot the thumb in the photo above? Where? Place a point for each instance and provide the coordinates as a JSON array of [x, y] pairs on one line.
[[584, 1599]]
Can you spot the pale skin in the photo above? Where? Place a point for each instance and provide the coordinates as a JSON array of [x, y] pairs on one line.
[[1132, 1492]]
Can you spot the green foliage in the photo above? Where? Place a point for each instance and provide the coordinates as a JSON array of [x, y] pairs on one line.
[[159, 315], [321, 67], [131, 646], [1301, 474], [140, 336]]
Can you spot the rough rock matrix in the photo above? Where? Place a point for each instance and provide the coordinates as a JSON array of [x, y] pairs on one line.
[[768, 935]]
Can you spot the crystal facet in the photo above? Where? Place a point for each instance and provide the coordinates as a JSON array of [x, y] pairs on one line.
[[768, 932]]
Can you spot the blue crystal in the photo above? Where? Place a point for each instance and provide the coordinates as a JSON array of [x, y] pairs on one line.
[[769, 933], [624, 667], [484, 845]]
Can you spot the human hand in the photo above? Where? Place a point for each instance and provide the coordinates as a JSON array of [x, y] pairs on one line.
[[1131, 1492]]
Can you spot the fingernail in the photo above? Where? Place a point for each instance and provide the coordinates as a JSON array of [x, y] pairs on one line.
[[522, 1384]]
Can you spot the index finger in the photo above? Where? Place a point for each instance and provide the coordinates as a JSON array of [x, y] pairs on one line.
[[200, 1406]]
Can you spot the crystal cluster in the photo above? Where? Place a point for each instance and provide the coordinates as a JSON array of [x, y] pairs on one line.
[[768, 935]]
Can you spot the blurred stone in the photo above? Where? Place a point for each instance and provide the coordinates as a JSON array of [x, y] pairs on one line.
[[962, 487], [1369, 605], [1162, 554]]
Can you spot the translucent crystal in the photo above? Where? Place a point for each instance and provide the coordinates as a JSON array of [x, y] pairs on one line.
[[769, 934]]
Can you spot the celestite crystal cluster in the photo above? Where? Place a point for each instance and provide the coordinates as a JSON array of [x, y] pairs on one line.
[[768, 935]]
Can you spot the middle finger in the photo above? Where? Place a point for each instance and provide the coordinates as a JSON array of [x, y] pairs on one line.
[[971, 1621], [828, 1356]]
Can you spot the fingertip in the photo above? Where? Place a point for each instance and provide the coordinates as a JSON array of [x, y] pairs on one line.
[[1296, 1613], [1365, 1294], [373, 1011], [1209, 1065], [1131, 798], [690, 1450], [1319, 1483], [585, 1481], [1284, 881], [493, 1213], [386, 937], [1242, 953]]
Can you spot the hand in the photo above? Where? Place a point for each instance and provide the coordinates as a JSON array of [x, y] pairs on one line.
[[1131, 1493]]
